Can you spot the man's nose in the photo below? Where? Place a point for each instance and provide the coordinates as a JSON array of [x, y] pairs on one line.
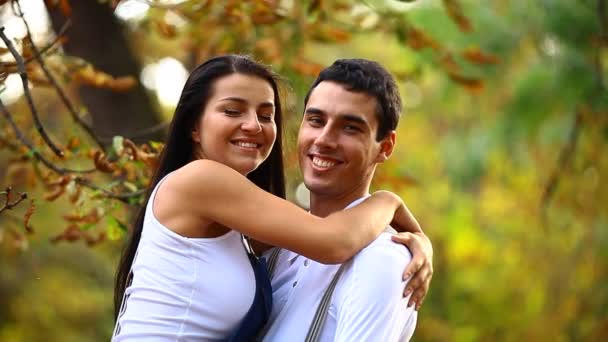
[[326, 138], [251, 124]]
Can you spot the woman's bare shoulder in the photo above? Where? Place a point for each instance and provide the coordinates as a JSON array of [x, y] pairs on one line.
[[200, 175]]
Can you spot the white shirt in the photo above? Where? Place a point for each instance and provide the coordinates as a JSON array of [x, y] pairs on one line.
[[185, 289], [367, 303]]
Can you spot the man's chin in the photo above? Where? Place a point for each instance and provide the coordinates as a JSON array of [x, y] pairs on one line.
[[319, 186]]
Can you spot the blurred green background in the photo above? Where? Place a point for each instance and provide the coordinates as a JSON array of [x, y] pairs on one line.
[[500, 150]]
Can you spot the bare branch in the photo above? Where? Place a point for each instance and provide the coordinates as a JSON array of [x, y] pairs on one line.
[[603, 19], [28, 95], [123, 197], [37, 55], [7, 201], [32, 149], [564, 159], [141, 133], [52, 44], [568, 149]]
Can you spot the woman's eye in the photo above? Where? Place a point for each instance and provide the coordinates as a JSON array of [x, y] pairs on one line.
[[229, 111], [265, 118]]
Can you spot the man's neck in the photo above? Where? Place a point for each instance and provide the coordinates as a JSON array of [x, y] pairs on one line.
[[324, 205]]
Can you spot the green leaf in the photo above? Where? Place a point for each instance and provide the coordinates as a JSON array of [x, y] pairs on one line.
[[117, 144], [116, 229]]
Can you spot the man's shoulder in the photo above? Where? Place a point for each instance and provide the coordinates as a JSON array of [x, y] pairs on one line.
[[383, 247], [374, 276], [378, 268]]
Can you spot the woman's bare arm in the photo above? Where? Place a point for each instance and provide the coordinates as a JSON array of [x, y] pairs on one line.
[[213, 191]]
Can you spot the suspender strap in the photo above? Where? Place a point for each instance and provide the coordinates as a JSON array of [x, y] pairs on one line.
[[272, 261], [318, 321], [321, 315]]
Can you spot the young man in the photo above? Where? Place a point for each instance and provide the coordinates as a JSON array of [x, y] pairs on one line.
[[352, 110]]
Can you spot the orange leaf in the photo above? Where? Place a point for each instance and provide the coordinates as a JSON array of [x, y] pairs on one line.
[[270, 48], [449, 63], [51, 196], [73, 143], [337, 35], [101, 163], [418, 40], [472, 84], [27, 216], [91, 217], [71, 233], [121, 84], [475, 55], [65, 7], [165, 29], [92, 241], [315, 6], [264, 15], [37, 77], [26, 48], [455, 12], [307, 68]]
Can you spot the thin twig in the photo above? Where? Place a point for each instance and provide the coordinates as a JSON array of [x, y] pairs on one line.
[[568, 149], [5, 142], [124, 197], [603, 19], [28, 95], [7, 202], [57, 87], [141, 133], [45, 49], [31, 147], [564, 159]]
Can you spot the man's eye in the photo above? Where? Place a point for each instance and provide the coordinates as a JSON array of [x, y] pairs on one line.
[[315, 121], [352, 128]]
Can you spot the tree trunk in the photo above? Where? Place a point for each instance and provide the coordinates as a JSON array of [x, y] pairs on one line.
[[97, 36]]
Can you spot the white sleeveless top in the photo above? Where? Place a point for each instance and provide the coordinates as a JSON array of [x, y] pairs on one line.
[[185, 289]]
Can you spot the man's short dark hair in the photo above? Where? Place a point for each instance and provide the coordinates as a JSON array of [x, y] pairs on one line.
[[361, 75]]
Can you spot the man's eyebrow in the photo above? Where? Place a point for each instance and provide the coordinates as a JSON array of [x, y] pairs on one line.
[[313, 110], [354, 118], [242, 100]]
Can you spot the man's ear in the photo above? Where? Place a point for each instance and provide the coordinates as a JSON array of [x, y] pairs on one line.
[[387, 144]]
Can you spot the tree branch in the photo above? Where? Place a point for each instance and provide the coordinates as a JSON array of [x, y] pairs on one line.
[[7, 201], [124, 197], [564, 159], [31, 147], [28, 95], [38, 56]]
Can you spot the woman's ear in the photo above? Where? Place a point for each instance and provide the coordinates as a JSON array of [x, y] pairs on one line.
[[387, 144], [195, 133]]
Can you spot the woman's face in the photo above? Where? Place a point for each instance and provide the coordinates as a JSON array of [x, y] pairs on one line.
[[237, 126]]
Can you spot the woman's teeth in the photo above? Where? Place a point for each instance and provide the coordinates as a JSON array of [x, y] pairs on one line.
[[246, 144]]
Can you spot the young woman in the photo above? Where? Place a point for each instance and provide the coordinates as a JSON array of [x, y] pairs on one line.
[[185, 273]]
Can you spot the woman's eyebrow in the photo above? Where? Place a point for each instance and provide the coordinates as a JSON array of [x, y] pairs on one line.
[[243, 101], [235, 99]]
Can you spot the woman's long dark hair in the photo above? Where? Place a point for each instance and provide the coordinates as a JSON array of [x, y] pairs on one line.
[[178, 150]]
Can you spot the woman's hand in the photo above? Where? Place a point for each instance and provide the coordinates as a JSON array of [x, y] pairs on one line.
[[420, 269]]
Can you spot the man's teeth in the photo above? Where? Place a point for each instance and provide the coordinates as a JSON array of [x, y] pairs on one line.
[[246, 144], [322, 163]]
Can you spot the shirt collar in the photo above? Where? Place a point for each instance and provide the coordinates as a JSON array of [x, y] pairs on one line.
[[293, 255]]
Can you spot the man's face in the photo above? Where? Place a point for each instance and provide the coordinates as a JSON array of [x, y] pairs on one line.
[[337, 149]]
